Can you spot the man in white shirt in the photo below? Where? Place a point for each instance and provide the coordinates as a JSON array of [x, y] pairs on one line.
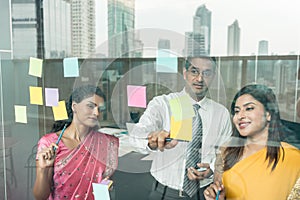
[[169, 160]]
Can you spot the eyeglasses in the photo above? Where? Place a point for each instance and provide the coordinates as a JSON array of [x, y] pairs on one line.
[[206, 73]]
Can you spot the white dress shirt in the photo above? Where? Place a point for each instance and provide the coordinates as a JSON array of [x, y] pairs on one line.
[[168, 167]]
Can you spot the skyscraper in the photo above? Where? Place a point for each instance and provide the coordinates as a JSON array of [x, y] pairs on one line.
[[41, 28], [198, 41], [83, 28], [233, 39], [121, 23], [164, 44], [263, 47], [202, 27], [6, 34]]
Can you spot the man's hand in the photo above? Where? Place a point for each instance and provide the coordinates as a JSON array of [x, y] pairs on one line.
[[157, 140], [194, 174]]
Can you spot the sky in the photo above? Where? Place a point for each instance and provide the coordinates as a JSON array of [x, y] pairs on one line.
[[276, 21]]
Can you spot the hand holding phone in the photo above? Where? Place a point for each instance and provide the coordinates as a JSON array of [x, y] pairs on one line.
[[200, 169]]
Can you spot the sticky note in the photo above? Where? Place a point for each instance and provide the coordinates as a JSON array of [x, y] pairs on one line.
[[136, 96], [166, 62], [71, 67], [181, 130], [35, 67], [20, 114], [51, 96], [60, 111], [181, 108], [100, 191], [36, 95]]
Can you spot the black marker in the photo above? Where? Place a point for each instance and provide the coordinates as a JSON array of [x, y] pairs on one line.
[[170, 139]]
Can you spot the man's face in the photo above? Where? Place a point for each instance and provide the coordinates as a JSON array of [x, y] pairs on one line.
[[198, 76]]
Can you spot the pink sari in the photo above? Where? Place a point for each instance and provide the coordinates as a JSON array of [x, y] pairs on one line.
[[75, 170]]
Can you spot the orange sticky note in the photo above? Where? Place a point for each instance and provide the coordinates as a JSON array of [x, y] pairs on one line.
[[181, 130], [60, 111], [36, 95]]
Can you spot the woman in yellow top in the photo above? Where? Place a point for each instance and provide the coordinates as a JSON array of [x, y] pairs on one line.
[[256, 164]]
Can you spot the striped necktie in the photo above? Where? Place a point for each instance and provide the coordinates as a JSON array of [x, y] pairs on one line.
[[193, 154]]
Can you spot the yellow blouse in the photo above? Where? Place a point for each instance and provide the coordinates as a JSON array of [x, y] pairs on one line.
[[252, 179]]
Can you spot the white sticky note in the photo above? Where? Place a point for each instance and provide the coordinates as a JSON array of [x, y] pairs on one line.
[[100, 191]]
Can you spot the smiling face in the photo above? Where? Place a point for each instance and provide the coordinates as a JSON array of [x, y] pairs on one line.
[[250, 117], [88, 111], [198, 77]]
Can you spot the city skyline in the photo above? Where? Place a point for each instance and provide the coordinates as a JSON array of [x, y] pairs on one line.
[[275, 22]]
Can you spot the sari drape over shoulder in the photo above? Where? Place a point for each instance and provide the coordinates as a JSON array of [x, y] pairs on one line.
[[76, 169], [252, 179]]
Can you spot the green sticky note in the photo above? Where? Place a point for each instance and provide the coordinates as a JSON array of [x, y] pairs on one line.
[[181, 108], [35, 67]]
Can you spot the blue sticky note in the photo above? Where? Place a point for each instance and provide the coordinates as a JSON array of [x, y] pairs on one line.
[[166, 62], [71, 67]]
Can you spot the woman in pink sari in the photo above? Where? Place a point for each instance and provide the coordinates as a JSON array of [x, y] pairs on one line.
[[83, 156]]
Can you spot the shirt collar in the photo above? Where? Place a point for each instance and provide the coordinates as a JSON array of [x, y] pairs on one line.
[[203, 102]]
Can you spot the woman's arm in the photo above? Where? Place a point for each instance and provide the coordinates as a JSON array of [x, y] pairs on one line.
[[44, 172], [43, 182]]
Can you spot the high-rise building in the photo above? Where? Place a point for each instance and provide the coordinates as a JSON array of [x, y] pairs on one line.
[[83, 28], [164, 44], [202, 29], [263, 47], [198, 41], [233, 39], [41, 28], [6, 34], [121, 23]]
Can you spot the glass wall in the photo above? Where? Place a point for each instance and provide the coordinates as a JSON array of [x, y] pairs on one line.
[[18, 140]]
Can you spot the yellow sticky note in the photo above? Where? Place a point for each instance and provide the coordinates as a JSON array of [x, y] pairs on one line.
[[60, 111], [181, 108], [35, 67], [20, 114], [36, 95], [181, 130]]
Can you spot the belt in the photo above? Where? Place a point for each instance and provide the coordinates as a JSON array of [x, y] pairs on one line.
[[167, 191]]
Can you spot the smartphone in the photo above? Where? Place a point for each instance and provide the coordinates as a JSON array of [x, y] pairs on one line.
[[107, 182], [200, 169]]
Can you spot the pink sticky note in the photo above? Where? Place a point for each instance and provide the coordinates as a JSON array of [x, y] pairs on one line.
[[136, 96], [51, 96]]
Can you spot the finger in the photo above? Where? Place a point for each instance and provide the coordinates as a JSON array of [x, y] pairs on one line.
[[192, 174], [171, 144], [161, 140], [209, 193], [205, 165]]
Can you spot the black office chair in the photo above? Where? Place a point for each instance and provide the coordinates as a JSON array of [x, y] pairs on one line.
[[291, 133]]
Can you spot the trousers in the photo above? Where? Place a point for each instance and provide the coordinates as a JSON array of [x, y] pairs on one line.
[[162, 192]]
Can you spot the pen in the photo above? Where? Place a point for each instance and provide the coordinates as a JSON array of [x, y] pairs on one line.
[[218, 194], [60, 135], [170, 139], [166, 139]]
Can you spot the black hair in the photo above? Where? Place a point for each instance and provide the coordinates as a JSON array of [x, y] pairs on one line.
[[267, 98], [80, 93], [188, 61]]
